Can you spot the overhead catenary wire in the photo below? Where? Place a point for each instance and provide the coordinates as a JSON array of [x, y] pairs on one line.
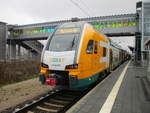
[[89, 10], [77, 5]]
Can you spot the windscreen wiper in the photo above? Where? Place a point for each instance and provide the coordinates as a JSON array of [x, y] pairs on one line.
[[73, 42]]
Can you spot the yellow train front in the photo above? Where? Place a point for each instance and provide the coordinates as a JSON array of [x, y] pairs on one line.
[[74, 56]]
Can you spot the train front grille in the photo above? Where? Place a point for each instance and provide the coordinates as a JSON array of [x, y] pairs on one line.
[[63, 77]]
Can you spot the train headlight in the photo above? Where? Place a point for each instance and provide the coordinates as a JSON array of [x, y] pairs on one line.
[[44, 65], [73, 66]]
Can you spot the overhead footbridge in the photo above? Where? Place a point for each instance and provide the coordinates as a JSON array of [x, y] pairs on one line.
[[137, 24], [115, 25]]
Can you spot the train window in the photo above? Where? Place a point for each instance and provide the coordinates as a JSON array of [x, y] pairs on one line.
[[95, 47], [67, 42], [89, 49], [104, 51]]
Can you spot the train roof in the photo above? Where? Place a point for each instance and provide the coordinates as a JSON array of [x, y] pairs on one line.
[[72, 24]]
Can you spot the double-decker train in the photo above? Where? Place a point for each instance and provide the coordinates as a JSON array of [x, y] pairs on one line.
[[76, 55]]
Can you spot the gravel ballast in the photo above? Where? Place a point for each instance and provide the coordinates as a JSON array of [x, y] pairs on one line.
[[17, 93]]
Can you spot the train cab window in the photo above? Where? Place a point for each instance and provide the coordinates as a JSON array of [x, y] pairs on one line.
[[95, 47], [104, 51], [89, 49]]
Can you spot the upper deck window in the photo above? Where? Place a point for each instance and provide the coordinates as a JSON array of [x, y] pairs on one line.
[[89, 49], [95, 47]]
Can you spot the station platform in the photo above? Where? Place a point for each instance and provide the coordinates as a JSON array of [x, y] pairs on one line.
[[125, 90]]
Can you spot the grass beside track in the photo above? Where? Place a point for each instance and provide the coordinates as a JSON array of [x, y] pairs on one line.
[[13, 72], [9, 83]]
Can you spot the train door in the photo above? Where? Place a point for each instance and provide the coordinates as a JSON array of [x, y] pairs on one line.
[[89, 52], [95, 56], [111, 60]]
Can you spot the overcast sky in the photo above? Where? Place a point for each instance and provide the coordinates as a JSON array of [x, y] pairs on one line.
[[35, 11]]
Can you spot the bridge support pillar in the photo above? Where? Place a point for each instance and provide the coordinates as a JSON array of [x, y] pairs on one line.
[[3, 41], [12, 50], [138, 47], [19, 51], [29, 54]]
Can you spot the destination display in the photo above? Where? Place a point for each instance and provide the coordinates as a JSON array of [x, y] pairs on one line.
[[67, 30]]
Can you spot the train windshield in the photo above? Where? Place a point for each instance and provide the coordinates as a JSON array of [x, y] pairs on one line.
[[63, 42]]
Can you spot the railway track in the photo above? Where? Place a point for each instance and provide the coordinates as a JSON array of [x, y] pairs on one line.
[[54, 102]]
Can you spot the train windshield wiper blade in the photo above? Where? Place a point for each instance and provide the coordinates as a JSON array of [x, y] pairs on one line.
[[73, 42]]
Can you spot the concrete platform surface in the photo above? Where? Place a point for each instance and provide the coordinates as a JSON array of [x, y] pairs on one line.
[[125, 90]]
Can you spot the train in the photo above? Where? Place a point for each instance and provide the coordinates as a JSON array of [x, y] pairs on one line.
[[76, 55]]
